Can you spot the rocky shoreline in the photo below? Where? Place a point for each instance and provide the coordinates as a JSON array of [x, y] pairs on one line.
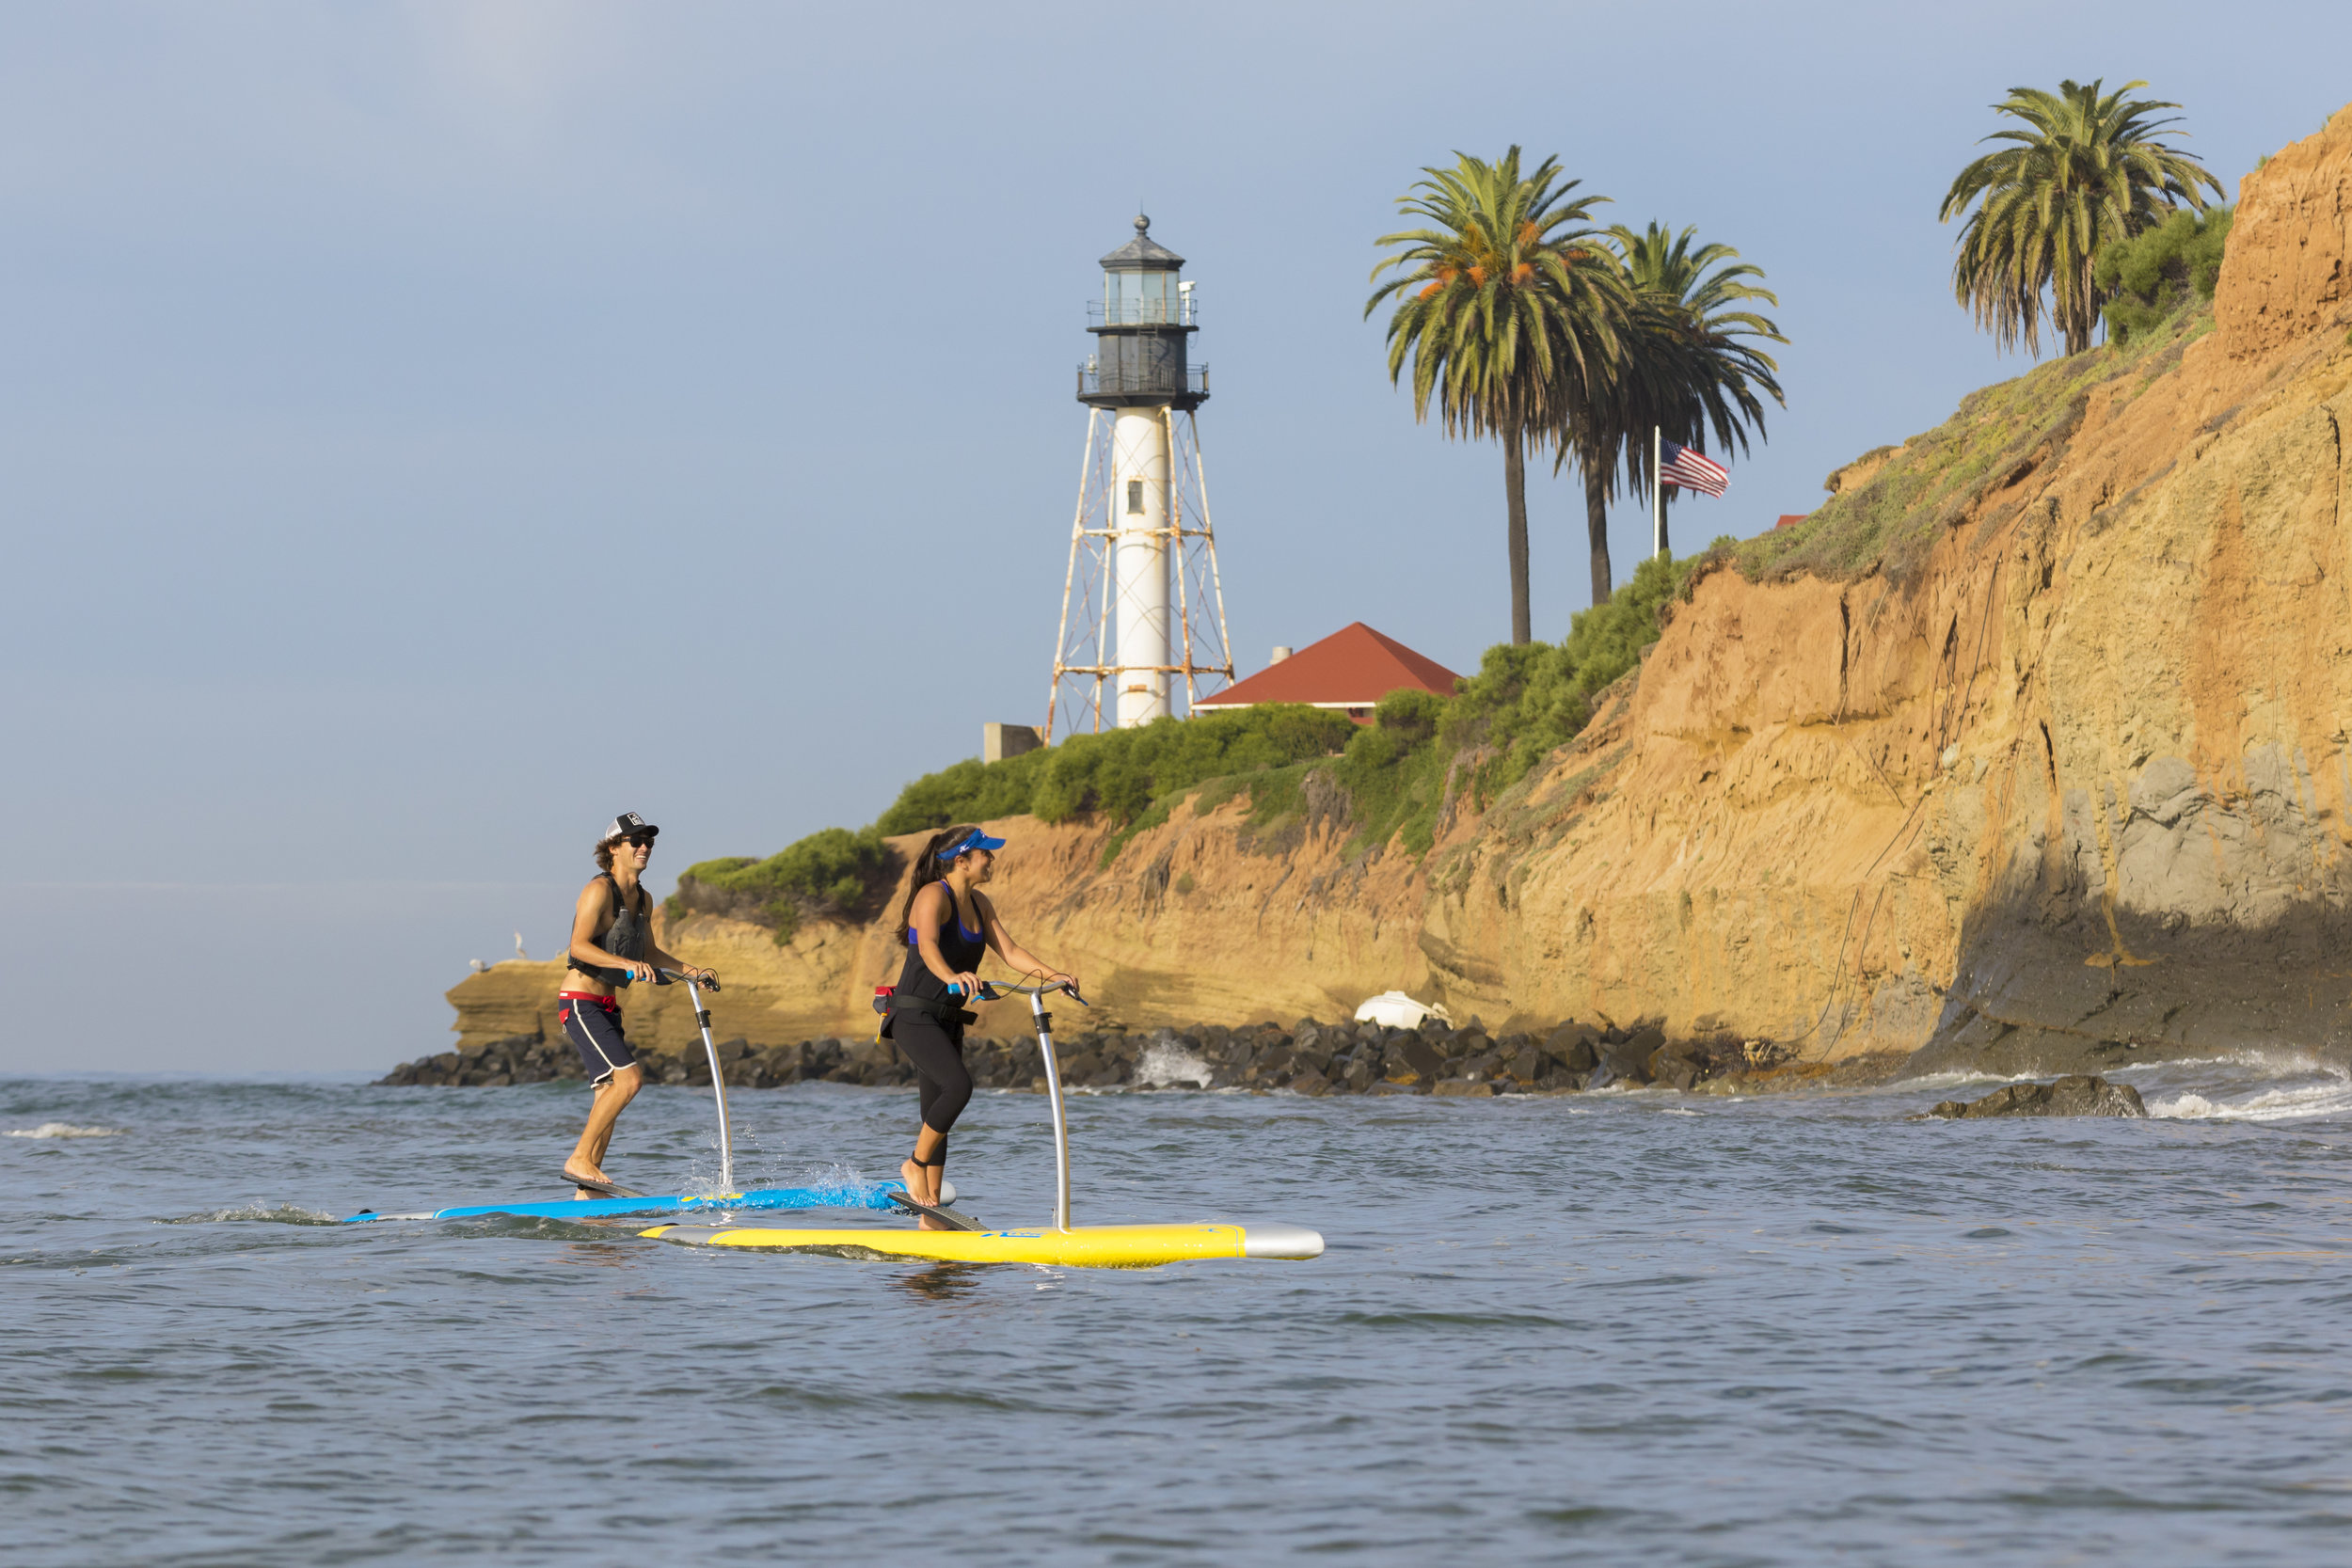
[[1308, 1057]]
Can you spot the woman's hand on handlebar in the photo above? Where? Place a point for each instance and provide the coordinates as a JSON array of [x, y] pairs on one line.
[[968, 984]]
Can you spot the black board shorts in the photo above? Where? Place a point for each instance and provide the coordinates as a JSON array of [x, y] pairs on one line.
[[593, 1024]]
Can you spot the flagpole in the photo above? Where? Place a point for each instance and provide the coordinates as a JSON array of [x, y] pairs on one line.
[[1657, 491]]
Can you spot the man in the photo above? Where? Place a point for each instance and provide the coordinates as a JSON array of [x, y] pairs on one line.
[[612, 945]]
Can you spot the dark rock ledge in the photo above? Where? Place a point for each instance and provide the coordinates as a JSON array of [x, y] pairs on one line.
[[2077, 1095], [1309, 1057]]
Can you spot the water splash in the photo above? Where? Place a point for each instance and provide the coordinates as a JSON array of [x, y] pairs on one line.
[[834, 1181], [1165, 1062], [66, 1130]]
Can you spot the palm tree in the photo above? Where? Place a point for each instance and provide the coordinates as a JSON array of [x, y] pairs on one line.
[[1508, 302], [1694, 366], [2090, 170]]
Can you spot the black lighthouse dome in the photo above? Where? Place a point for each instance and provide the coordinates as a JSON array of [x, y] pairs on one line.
[[1140, 327]]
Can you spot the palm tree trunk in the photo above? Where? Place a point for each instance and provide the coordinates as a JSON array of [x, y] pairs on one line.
[[1515, 487], [1596, 526]]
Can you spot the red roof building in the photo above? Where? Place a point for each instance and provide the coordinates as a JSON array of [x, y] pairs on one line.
[[1350, 671]]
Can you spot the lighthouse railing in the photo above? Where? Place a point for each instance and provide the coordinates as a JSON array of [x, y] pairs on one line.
[[1179, 312], [1095, 382]]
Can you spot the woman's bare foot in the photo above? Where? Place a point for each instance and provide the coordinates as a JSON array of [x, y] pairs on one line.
[[913, 1176]]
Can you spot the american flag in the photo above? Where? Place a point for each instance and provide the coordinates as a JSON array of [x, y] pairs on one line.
[[1693, 470]]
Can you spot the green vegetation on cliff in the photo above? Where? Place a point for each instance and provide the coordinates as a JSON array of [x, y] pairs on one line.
[[2151, 278], [1392, 776], [2000, 435]]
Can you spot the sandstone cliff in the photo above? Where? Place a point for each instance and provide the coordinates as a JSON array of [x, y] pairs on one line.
[[2061, 776]]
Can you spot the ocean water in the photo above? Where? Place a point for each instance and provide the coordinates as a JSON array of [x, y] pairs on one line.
[[1622, 1328]]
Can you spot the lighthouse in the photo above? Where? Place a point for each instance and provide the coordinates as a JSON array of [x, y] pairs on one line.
[[1142, 610]]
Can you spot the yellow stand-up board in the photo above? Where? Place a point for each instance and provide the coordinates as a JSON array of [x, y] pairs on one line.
[[1096, 1246]]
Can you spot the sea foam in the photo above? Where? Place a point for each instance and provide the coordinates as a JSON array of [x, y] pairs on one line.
[[65, 1130]]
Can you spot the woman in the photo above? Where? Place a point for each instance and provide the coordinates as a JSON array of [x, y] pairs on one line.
[[948, 924], [611, 945]]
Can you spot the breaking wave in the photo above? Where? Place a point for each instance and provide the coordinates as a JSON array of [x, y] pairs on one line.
[[2330, 1099], [1164, 1064]]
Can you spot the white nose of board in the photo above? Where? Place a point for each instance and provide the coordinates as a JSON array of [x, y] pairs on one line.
[[1281, 1241]]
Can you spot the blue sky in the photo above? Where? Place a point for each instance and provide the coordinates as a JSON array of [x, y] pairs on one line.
[[427, 430]]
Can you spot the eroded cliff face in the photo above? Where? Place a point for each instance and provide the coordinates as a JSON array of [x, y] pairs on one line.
[[2078, 786]]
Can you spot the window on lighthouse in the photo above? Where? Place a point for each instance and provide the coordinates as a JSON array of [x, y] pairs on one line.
[[1140, 296], [1134, 497]]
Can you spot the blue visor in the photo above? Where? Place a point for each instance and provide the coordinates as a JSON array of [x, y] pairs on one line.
[[970, 841]]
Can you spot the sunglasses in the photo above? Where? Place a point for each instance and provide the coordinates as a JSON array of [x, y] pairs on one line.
[[638, 841]]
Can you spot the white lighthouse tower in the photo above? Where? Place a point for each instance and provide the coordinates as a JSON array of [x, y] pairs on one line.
[[1141, 605]]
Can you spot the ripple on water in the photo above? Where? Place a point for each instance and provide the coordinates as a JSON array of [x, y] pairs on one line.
[[1770, 1333]]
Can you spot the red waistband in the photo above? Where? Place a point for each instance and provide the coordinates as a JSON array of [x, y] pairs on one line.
[[610, 1004]]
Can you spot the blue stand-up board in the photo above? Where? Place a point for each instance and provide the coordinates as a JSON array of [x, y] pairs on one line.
[[869, 1195]]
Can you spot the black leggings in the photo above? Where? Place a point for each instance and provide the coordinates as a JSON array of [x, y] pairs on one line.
[[939, 1070]]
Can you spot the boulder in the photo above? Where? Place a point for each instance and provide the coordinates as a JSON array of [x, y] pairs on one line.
[[1464, 1044], [1310, 1083], [2076, 1095], [1672, 1066], [1628, 1059], [1571, 1045], [1473, 1088], [1411, 1060]]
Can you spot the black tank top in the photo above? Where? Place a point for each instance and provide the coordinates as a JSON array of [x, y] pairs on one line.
[[961, 947], [625, 938]]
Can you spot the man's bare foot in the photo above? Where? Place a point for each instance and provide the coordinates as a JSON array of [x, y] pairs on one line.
[[923, 1222], [591, 1173]]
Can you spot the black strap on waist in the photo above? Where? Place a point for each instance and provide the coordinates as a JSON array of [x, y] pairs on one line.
[[942, 1008]]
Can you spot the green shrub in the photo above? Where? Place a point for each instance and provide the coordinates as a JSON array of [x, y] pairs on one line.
[[831, 871], [2157, 272], [1119, 772], [1524, 703]]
